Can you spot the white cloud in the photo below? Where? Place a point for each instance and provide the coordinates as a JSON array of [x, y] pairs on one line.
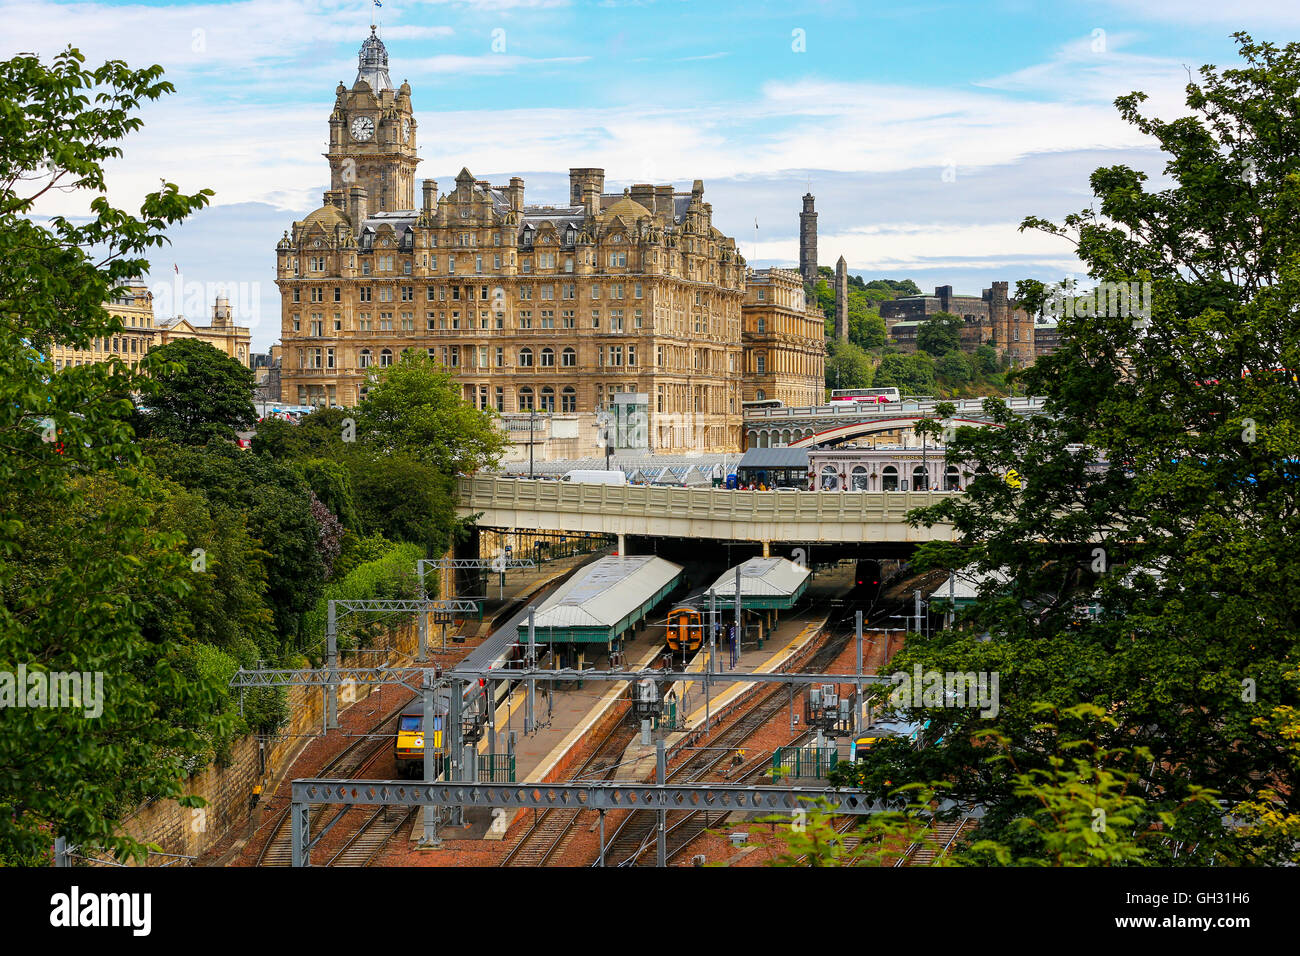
[[485, 64], [1238, 15]]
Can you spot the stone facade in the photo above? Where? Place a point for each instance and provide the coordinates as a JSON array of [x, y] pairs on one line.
[[142, 331], [222, 333], [897, 467], [785, 340], [1047, 338], [989, 317], [139, 334], [553, 308]]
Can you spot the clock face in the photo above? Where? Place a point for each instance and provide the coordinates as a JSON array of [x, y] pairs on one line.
[[406, 131], [363, 127]]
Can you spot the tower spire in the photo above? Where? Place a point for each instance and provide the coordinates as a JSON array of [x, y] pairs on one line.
[[372, 62]]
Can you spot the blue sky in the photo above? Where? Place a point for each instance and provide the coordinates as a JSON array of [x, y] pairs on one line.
[[928, 131]]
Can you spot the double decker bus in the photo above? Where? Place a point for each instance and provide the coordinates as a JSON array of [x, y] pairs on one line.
[[872, 396]]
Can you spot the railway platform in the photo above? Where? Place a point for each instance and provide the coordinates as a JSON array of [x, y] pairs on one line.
[[787, 640]]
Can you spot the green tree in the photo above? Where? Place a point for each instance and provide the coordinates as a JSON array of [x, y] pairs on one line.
[[866, 327], [415, 406], [195, 393], [954, 368], [1159, 486], [276, 502], [847, 366], [405, 499], [912, 374], [986, 360], [65, 773], [939, 334]]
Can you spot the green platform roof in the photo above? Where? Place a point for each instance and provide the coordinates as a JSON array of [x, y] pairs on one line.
[[604, 600], [765, 583]]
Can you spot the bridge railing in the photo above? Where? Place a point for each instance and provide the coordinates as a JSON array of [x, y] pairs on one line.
[[851, 409], [488, 492]]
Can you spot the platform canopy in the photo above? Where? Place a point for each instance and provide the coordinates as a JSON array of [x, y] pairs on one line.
[[604, 599], [764, 583], [963, 587]]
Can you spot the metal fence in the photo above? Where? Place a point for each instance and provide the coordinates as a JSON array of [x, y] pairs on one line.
[[803, 762], [496, 768]]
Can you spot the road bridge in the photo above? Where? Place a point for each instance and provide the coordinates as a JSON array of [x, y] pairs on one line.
[[773, 427], [704, 513]]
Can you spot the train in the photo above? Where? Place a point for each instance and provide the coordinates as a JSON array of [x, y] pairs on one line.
[[866, 577], [770, 583], [895, 726], [687, 622], [409, 745]]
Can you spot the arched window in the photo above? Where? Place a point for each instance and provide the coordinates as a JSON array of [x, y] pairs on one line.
[[760, 395], [785, 437], [920, 479], [525, 399], [548, 358], [548, 398], [385, 358], [889, 478], [363, 358], [568, 358], [830, 478], [568, 398], [760, 362], [525, 358], [858, 479], [951, 479]]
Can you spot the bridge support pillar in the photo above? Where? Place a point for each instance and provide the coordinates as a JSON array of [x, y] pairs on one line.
[[767, 549], [622, 546]]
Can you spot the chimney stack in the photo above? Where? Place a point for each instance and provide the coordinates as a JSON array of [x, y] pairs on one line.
[[585, 187], [430, 195], [357, 208]]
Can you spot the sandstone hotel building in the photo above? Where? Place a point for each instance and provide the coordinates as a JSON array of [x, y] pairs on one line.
[[557, 309]]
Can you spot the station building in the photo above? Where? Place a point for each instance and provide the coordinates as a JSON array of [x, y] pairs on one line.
[[884, 468]]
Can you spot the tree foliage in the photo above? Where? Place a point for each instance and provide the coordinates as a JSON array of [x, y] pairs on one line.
[[1160, 487], [939, 334], [83, 608], [195, 393], [847, 366], [415, 407]]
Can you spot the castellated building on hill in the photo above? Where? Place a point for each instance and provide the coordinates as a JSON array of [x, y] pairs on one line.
[[990, 317], [610, 303]]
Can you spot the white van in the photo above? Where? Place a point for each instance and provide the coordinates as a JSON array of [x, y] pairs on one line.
[[596, 477]]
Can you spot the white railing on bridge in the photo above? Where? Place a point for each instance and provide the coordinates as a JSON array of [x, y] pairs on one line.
[[856, 410]]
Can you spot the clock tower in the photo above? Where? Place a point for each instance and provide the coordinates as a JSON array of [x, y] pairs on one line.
[[372, 137]]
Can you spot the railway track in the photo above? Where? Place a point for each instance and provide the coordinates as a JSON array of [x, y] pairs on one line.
[[544, 839], [351, 762], [937, 841], [363, 847], [632, 841]]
